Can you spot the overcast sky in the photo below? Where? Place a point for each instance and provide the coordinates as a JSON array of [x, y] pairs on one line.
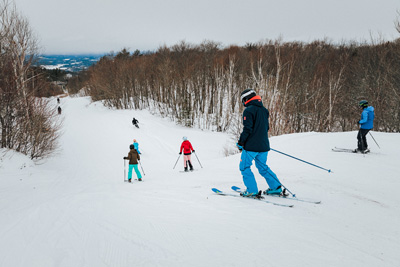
[[101, 26]]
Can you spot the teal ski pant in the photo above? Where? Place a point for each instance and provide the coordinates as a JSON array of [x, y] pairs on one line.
[[260, 159], [134, 166]]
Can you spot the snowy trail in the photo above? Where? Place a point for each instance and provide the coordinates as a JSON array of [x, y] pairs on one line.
[[75, 210]]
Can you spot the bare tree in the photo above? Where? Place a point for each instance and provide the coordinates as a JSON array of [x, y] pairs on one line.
[[27, 123], [306, 87]]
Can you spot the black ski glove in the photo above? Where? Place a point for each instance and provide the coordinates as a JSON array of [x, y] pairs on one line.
[[180, 153]]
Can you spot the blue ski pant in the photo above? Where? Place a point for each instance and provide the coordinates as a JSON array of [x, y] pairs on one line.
[[260, 159], [134, 166]]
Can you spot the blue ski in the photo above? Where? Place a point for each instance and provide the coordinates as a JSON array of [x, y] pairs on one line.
[[237, 189], [219, 192]]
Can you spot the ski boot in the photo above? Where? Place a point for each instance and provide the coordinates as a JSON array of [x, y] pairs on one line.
[[277, 191], [362, 151], [190, 166], [253, 195], [365, 151]]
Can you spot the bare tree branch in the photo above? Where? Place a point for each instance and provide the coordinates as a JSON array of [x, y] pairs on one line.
[[397, 22]]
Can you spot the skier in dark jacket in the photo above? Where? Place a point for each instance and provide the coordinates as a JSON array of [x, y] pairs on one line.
[[254, 144], [133, 158], [135, 122], [366, 124]]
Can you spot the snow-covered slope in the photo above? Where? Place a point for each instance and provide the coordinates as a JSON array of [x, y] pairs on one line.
[[75, 210]]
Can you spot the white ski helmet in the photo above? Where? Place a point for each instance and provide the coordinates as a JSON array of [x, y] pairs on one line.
[[184, 138]]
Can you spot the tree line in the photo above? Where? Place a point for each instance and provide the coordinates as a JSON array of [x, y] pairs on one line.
[[27, 120], [306, 86]]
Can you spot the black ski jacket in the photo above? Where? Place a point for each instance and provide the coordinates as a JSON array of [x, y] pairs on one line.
[[254, 136]]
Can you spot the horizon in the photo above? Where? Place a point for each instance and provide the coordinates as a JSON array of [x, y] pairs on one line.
[[326, 40]]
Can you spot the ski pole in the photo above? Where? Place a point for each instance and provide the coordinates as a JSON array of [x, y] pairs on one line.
[[124, 170], [302, 160], [141, 167], [176, 161], [197, 159], [374, 139], [294, 195]]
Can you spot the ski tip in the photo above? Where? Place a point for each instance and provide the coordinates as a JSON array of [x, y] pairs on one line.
[[235, 188], [216, 190]]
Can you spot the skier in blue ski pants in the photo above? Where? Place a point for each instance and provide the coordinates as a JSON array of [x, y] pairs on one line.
[[260, 159], [254, 144], [134, 167]]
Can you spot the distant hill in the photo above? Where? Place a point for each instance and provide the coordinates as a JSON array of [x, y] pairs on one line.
[[69, 63]]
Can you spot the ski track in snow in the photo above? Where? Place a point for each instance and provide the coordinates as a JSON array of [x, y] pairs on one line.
[[75, 210]]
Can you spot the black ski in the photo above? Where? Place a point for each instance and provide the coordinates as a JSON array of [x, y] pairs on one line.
[[339, 149], [348, 150], [126, 181], [190, 170]]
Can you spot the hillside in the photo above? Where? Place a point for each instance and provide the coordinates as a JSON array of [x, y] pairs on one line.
[[75, 210]]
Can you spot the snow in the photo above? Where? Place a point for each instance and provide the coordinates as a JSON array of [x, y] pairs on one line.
[[53, 67], [75, 210]]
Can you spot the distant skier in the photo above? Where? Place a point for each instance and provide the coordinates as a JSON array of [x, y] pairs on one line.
[[366, 124], [133, 158], [59, 110], [136, 144], [58, 100], [187, 149], [254, 144], [135, 122]]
